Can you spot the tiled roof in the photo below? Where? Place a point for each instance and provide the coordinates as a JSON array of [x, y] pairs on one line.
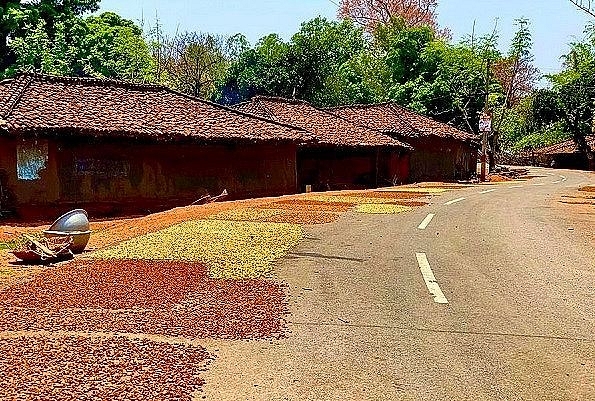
[[568, 146], [49, 105], [394, 119], [328, 128]]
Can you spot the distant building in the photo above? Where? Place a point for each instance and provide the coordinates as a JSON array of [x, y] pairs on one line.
[[115, 147], [563, 155], [441, 152], [345, 154]]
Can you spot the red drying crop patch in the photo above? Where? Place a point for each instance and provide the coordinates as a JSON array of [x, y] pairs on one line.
[[140, 296], [116, 368]]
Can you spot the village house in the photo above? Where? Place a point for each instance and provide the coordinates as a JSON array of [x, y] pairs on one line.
[[441, 152], [345, 154], [562, 155], [115, 147]]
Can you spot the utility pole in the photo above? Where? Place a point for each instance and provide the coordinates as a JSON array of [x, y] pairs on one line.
[[485, 125]]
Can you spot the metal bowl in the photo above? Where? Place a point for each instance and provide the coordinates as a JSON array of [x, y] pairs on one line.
[[80, 239], [75, 220]]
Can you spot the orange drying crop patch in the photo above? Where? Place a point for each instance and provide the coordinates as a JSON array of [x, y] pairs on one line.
[[588, 188]]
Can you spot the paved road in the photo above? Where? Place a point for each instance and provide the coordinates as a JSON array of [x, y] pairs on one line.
[[516, 267]]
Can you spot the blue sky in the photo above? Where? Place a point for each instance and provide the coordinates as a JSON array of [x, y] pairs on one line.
[[555, 23]]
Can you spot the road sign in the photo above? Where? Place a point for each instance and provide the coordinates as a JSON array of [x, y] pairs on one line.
[[485, 122]]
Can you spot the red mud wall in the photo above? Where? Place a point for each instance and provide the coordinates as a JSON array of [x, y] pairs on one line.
[[437, 159], [111, 178], [332, 168]]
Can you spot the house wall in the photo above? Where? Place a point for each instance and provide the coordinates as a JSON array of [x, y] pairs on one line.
[[339, 168], [439, 159], [123, 177]]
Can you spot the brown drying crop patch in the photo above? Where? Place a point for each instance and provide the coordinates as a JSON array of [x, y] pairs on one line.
[[390, 195], [117, 368], [410, 203], [151, 297], [309, 205], [117, 284], [270, 215], [588, 188], [382, 208], [304, 217]]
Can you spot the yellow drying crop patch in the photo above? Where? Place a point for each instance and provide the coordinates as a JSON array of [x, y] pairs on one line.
[[231, 249], [381, 209]]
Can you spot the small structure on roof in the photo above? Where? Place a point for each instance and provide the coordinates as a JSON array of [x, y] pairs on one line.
[[441, 151], [564, 155], [345, 154], [114, 147]]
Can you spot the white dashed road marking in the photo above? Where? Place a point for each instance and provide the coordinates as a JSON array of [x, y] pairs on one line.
[[557, 182], [430, 279], [424, 224], [452, 202], [538, 185], [487, 191], [516, 186]]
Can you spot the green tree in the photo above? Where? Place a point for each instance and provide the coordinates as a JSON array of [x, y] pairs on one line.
[[105, 46], [17, 18], [262, 70], [307, 67], [117, 49], [574, 88], [317, 53]]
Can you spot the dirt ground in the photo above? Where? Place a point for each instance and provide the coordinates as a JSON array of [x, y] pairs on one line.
[[219, 312], [71, 308]]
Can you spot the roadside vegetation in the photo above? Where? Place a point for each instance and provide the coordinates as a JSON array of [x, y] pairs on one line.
[[376, 51]]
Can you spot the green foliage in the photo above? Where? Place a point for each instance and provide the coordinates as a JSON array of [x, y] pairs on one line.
[[547, 136], [116, 49], [52, 37], [54, 17], [61, 55], [568, 105], [308, 67], [262, 70]]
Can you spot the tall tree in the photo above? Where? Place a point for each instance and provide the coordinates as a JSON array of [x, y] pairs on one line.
[[106, 46], [306, 67], [517, 75], [575, 88], [117, 49], [196, 62], [18, 17], [371, 13]]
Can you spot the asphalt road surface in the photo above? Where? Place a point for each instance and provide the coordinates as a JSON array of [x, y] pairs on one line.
[[493, 300]]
